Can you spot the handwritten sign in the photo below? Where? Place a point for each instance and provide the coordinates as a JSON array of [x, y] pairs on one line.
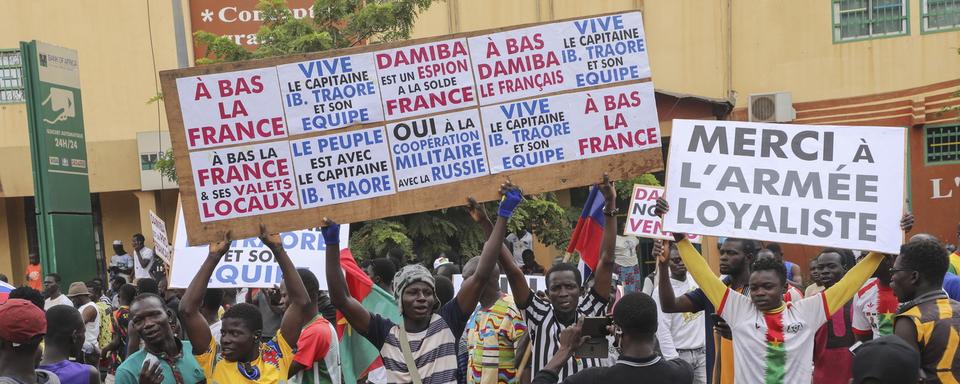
[[342, 167], [426, 78], [244, 181], [231, 108], [561, 56], [832, 186], [642, 219], [330, 93], [161, 245], [571, 126], [437, 150]]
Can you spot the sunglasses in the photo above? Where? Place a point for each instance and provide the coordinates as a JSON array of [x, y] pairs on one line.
[[895, 270]]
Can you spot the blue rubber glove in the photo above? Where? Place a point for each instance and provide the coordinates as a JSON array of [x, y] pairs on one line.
[[509, 202], [331, 234]]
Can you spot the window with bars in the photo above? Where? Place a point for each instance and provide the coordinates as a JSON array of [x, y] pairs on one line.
[[11, 76], [865, 19], [940, 15], [942, 144]]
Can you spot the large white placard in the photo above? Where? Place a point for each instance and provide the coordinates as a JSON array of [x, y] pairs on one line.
[[250, 263], [835, 186], [437, 150], [556, 57], [231, 108], [330, 93], [572, 126], [244, 181], [536, 283], [343, 167]]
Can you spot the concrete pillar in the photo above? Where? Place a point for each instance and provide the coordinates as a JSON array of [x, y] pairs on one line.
[[147, 201], [6, 248]]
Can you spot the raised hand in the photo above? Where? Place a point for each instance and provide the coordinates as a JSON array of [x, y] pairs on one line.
[[572, 337], [476, 211], [608, 190], [510, 197], [330, 231], [660, 252], [220, 248], [271, 240], [662, 207], [906, 222]]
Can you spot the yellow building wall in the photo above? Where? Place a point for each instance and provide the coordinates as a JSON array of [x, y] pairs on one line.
[[121, 46], [788, 45]]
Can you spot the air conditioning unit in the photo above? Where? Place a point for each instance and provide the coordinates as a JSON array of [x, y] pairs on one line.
[[771, 107]]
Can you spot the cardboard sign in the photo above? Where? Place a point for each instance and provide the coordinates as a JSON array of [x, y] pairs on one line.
[[398, 128], [820, 185], [244, 181], [330, 93], [249, 263], [536, 283], [161, 244], [231, 108], [426, 78], [571, 126], [438, 150], [642, 219], [560, 56], [342, 167]]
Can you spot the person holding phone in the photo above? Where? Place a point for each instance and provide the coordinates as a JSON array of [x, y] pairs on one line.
[[565, 300], [635, 324]]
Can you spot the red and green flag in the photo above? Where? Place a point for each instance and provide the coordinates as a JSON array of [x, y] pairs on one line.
[[776, 353], [357, 356]]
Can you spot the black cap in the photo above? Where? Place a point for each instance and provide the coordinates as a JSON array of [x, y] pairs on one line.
[[888, 359]]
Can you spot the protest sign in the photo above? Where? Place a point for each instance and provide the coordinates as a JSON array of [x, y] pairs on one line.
[[398, 128], [642, 219], [834, 186], [249, 263], [427, 78], [231, 108], [330, 93], [556, 129], [437, 150], [559, 56], [244, 181], [536, 283], [161, 244], [342, 167]]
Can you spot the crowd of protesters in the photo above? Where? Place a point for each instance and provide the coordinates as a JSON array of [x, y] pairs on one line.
[[860, 317]]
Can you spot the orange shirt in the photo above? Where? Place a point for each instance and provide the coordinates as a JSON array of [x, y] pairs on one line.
[[34, 277]]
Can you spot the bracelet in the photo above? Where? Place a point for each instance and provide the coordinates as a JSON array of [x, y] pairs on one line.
[[611, 212]]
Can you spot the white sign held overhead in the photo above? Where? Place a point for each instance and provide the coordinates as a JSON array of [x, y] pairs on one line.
[[249, 263], [833, 186]]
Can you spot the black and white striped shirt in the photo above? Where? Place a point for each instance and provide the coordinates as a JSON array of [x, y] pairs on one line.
[[544, 329]]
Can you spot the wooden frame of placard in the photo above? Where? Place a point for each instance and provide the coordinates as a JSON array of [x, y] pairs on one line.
[[547, 178]]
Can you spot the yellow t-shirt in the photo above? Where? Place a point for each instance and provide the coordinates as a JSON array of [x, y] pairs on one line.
[[271, 365]]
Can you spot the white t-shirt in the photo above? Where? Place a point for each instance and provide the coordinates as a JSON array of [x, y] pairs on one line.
[[60, 300], [679, 330], [520, 244], [91, 329], [773, 342], [625, 252], [141, 272]]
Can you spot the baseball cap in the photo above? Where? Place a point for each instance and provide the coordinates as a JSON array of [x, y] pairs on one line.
[[441, 261], [888, 359], [21, 321]]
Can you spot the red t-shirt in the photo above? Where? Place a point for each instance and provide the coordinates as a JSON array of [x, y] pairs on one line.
[[317, 346]]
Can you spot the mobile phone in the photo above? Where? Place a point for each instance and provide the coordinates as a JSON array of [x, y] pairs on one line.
[[595, 326], [150, 359]]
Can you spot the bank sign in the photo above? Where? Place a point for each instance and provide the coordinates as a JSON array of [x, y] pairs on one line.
[[59, 138], [237, 20]]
